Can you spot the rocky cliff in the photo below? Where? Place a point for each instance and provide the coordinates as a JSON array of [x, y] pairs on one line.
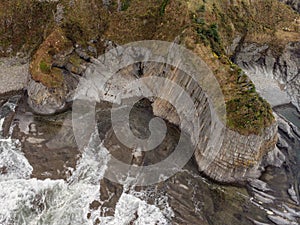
[[283, 68], [55, 72], [230, 156], [239, 157]]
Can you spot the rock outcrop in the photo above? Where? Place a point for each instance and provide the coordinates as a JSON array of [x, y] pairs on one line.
[[46, 101], [295, 4], [55, 71], [283, 68], [239, 158], [232, 158]]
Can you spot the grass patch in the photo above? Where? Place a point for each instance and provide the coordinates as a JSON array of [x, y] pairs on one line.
[[85, 21], [163, 7], [210, 34], [125, 5], [40, 67], [44, 67], [248, 114]]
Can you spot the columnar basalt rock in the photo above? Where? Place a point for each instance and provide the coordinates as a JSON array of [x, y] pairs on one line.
[[239, 157]]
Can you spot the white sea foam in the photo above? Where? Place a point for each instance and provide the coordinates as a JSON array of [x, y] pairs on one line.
[[55, 202], [13, 163], [130, 208], [29, 201]]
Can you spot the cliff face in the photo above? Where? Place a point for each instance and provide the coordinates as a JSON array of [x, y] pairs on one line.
[[47, 101], [233, 157], [239, 157], [55, 72], [283, 68]]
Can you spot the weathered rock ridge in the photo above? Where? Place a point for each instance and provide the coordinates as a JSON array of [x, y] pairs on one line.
[[239, 158]]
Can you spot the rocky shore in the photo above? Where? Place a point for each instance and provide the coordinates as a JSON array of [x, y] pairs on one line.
[[186, 198]]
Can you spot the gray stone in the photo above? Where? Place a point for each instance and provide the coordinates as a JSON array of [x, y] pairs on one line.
[[82, 54], [275, 158], [293, 195], [263, 199], [258, 59], [259, 184], [47, 101], [282, 143], [281, 221], [293, 212], [285, 127]]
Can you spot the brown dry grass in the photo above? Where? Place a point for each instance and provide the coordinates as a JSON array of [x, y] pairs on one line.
[[41, 66], [23, 24]]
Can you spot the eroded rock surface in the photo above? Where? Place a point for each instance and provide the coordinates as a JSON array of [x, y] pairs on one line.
[[284, 68], [44, 100]]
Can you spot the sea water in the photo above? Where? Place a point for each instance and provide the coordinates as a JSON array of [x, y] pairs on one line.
[[29, 201]]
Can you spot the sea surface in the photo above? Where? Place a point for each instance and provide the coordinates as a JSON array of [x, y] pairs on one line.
[[30, 201]]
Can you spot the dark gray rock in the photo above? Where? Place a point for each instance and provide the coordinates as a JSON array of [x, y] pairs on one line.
[[82, 54], [259, 184], [282, 143], [262, 199], [46, 101], [281, 221], [285, 127], [59, 14]]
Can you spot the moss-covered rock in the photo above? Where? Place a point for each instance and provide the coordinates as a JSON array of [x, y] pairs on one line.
[[41, 65]]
